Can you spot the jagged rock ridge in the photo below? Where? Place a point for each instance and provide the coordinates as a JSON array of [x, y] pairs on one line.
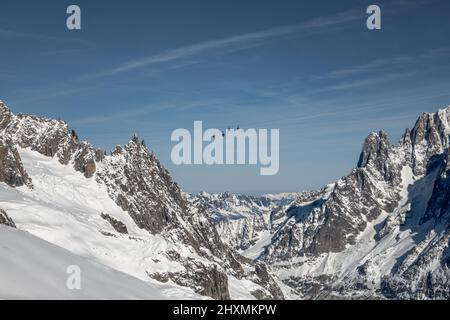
[[141, 186], [382, 231], [240, 219]]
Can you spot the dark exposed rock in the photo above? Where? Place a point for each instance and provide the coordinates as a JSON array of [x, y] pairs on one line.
[[84, 160], [260, 295], [107, 234], [375, 149], [158, 276], [266, 280], [439, 203], [207, 280], [413, 282], [428, 138], [12, 171], [99, 155], [5, 116], [331, 225], [215, 284], [5, 220], [52, 138], [119, 226]]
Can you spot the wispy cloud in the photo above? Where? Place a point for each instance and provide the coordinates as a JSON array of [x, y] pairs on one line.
[[5, 33], [49, 93], [134, 114], [353, 84], [385, 64], [56, 52], [234, 43], [342, 107], [380, 71], [251, 39]]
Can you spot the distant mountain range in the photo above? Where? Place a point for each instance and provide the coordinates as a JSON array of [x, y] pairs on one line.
[[381, 232]]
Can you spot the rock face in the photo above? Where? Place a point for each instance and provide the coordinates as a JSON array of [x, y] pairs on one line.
[[241, 220], [137, 182], [209, 280], [51, 138], [389, 218], [119, 226], [140, 185], [5, 220], [11, 168], [382, 231]]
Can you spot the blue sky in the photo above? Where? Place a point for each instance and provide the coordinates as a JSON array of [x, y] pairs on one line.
[[310, 68]]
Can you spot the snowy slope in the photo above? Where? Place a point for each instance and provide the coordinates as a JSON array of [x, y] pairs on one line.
[[31, 268], [65, 209], [122, 210]]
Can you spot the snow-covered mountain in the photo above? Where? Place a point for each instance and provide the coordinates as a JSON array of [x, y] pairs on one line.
[[380, 232], [244, 222], [122, 210]]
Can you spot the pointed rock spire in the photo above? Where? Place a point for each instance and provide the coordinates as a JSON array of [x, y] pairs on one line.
[[5, 115], [5, 220], [375, 148]]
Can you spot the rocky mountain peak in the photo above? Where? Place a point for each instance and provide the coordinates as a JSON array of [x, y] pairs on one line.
[[375, 149], [50, 137], [12, 171], [397, 195], [139, 184], [5, 116], [429, 137], [3, 107]]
